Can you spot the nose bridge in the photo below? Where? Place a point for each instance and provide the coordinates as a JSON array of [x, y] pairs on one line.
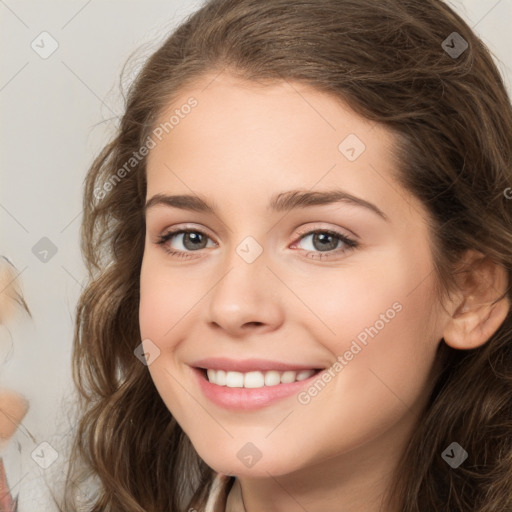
[[246, 269], [243, 294]]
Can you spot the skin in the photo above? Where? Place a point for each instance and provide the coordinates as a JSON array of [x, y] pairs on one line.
[[239, 146]]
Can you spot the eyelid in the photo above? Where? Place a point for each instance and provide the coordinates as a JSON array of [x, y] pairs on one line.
[[319, 226], [300, 232], [187, 227], [305, 230]]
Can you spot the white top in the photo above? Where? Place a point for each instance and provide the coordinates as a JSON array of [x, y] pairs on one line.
[[223, 499]]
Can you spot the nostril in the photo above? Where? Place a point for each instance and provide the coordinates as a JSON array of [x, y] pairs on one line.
[[254, 323]]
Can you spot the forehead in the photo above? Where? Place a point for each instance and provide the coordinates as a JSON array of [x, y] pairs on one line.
[[229, 106], [245, 137]]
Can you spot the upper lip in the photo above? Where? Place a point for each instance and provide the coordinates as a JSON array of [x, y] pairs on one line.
[[247, 365]]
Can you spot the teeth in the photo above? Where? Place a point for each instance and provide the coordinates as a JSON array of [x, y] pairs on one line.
[[272, 378], [256, 379], [304, 374], [288, 377], [252, 379], [234, 380]]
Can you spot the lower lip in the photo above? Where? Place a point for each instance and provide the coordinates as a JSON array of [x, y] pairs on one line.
[[249, 398]]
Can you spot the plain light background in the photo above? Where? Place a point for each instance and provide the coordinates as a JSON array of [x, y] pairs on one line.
[[56, 114]]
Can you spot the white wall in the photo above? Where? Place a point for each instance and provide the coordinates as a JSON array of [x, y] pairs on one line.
[[54, 118]]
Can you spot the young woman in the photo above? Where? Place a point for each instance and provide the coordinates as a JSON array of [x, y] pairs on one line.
[[300, 250]]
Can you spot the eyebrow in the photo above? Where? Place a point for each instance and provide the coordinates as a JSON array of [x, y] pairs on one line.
[[282, 202]]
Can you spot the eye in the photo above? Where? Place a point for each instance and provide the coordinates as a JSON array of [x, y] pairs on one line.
[[324, 243], [191, 240]]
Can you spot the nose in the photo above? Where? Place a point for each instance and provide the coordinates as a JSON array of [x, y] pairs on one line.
[[246, 298]]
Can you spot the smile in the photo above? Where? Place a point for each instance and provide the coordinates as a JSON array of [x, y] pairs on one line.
[[250, 384]]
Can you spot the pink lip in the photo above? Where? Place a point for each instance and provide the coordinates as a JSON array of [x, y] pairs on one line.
[[248, 398], [247, 365]]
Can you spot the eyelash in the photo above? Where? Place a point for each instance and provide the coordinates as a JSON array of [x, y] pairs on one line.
[[349, 242]]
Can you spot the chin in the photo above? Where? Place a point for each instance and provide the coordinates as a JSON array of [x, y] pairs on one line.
[[265, 467]]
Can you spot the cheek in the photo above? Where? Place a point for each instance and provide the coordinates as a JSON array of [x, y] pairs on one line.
[[382, 326], [385, 348], [155, 307], [357, 302], [163, 303], [165, 299]]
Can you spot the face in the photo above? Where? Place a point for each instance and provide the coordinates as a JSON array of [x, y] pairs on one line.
[[284, 333]]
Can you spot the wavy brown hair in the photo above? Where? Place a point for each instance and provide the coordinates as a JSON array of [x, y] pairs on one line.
[[452, 119]]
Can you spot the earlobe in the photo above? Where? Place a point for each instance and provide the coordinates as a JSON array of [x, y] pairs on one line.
[[483, 308]]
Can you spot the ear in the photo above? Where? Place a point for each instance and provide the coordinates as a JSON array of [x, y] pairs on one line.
[[482, 304]]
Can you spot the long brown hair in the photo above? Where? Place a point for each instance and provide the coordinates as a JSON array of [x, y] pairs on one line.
[[452, 119]]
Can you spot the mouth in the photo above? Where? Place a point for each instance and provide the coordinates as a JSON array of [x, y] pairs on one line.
[[251, 384], [256, 378]]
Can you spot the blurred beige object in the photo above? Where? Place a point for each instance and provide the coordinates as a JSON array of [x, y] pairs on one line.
[[10, 291], [13, 408], [11, 298]]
